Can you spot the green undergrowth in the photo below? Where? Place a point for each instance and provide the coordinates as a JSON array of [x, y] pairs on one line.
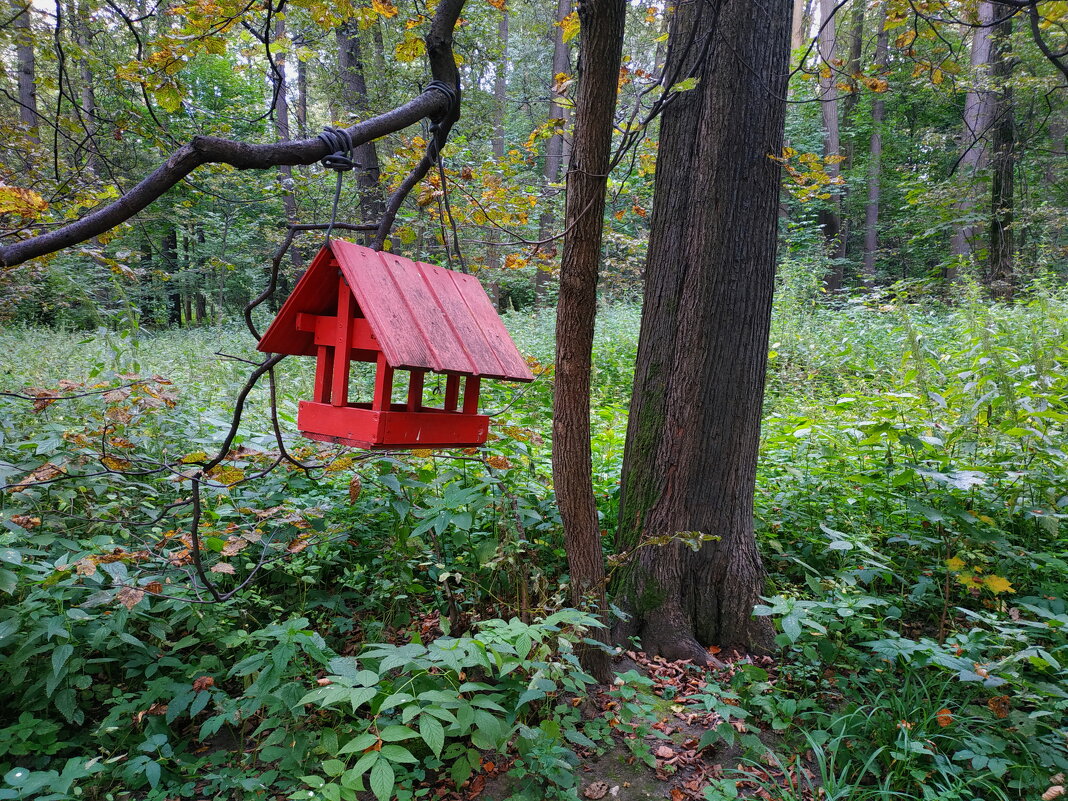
[[405, 615]]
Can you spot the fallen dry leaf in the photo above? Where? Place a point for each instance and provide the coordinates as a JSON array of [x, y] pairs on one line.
[[202, 683], [665, 752], [596, 790], [129, 596], [1056, 791], [223, 567]]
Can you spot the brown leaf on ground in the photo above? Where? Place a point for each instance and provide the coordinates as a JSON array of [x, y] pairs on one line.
[[130, 597], [596, 791], [223, 567], [665, 752], [202, 683], [45, 472], [1056, 791]]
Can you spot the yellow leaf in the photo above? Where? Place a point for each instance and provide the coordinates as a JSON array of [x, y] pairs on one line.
[[410, 48], [570, 26], [500, 5], [384, 8], [936, 76], [956, 564], [997, 584], [23, 202]]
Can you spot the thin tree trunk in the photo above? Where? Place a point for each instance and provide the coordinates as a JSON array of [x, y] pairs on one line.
[[798, 27], [80, 15], [302, 98], [26, 65], [354, 83], [554, 148], [875, 157], [1000, 277], [978, 115], [601, 47], [170, 267], [500, 101], [852, 67], [692, 437], [830, 218], [281, 129]]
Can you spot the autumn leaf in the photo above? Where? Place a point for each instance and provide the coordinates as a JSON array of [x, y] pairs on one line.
[[223, 567], [385, 8], [570, 26], [500, 5], [410, 48], [997, 584], [202, 683], [956, 564], [999, 705], [130, 597], [24, 202], [944, 717], [355, 487]]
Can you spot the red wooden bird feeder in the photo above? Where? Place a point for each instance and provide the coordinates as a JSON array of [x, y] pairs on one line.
[[355, 303]]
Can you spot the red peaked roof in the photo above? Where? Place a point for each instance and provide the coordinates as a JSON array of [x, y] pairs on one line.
[[423, 316]]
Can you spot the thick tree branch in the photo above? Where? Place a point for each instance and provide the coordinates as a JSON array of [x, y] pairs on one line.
[[212, 150]]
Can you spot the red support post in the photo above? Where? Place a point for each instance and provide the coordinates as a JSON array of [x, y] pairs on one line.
[[471, 386], [383, 399], [324, 368], [342, 345], [415, 390], [452, 392]]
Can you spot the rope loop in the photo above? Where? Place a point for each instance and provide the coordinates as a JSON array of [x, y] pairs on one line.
[[339, 142]]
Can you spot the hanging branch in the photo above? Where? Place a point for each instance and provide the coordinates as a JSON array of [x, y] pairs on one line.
[[432, 104]]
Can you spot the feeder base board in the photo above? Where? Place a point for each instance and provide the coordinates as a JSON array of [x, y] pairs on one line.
[[362, 427]]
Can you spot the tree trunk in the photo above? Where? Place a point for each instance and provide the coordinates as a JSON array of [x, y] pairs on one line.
[[690, 459], [281, 129], [80, 14], [799, 23], [170, 267], [830, 218], [875, 157], [1000, 276], [354, 83], [852, 67], [978, 115], [26, 65], [500, 103], [554, 148], [600, 52], [302, 98]]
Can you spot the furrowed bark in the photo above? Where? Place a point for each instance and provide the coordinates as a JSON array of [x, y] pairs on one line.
[[690, 460]]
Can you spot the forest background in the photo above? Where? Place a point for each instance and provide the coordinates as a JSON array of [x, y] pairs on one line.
[[912, 478]]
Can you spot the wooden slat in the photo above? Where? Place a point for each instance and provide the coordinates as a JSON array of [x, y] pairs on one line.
[[384, 306], [494, 334], [324, 328], [433, 321], [324, 370], [465, 328]]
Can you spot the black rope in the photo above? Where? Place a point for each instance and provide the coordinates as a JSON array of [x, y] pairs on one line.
[[340, 160], [437, 140]]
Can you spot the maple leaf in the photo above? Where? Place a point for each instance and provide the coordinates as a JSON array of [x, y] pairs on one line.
[[570, 26], [23, 202], [997, 584]]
